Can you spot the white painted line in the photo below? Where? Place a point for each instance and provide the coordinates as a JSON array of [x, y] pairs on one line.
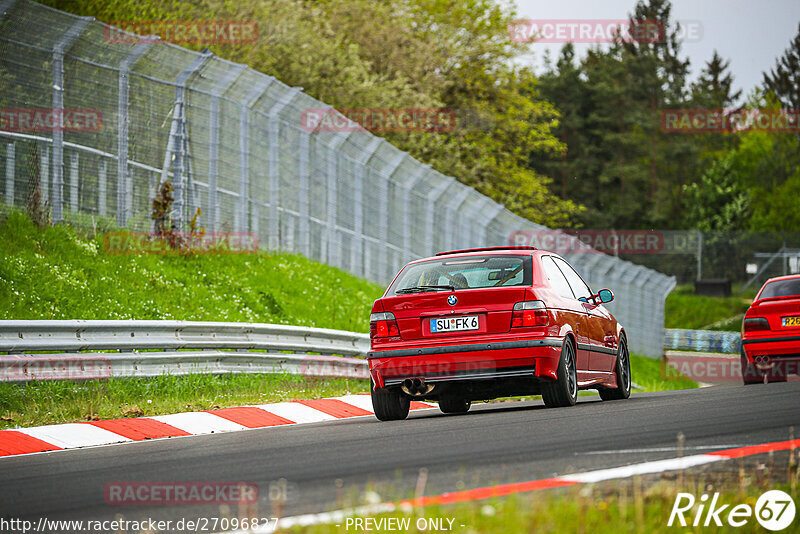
[[299, 413], [658, 466], [199, 422], [360, 401], [661, 449], [72, 435]]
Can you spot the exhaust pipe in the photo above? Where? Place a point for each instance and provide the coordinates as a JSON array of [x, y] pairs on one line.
[[416, 387]]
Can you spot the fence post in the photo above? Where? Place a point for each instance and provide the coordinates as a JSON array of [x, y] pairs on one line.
[[456, 225], [490, 210], [357, 252], [332, 252], [240, 220], [408, 228], [74, 169], [222, 85], [304, 247], [433, 196], [58, 111], [124, 182], [102, 197], [10, 166], [274, 166], [178, 139], [383, 210], [44, 173]]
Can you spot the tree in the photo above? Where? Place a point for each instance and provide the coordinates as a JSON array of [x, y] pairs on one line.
[[784, 79]]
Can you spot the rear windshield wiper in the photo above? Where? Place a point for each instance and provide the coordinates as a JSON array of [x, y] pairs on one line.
[[423, 289]]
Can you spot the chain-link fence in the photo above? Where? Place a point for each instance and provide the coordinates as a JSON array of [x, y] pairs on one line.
[[135, 113]]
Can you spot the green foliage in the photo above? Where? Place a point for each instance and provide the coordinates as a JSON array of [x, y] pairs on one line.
[[784, 79], [401, 54], [54, 273], [718, 201], [684, 309]]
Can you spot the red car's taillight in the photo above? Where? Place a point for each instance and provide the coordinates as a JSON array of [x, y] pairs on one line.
[[383, 324], [754, 324], [529, 313]]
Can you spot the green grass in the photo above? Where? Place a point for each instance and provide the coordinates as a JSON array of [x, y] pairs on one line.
[[51, 402], [684, 309], [610, 508], [653, 375], [56, 273]]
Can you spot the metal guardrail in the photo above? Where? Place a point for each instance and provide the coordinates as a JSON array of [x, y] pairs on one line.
[[68, 349], [702, 340]]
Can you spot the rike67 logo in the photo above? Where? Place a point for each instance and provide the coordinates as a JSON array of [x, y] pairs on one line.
[[774, 510]]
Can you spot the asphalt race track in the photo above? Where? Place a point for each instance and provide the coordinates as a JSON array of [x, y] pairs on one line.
[[329, 465]]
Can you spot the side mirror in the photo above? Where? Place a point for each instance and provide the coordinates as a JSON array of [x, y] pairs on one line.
[[604, 296]]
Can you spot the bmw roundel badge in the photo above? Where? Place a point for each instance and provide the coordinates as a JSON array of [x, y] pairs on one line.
[[452, 300]]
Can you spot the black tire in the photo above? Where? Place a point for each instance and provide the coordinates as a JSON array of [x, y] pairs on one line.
[[563, 391], [389, 405], [751, 374], [454, 405], [623, 371]]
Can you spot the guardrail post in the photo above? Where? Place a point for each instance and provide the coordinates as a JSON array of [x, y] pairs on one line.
[[10, 166], [222, 85], [176, 153], [241, 220], [357, 252], [124, 181], [274, 166], [57, 200]]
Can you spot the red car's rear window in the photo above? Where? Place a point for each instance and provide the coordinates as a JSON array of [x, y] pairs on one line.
[[781, 288], [464, 272]]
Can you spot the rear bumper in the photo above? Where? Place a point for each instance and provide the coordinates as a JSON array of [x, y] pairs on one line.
[[780, 355], [464, 362]]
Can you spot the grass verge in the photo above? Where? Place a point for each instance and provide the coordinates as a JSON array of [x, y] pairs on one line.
[[57, 273], [52, 402], [684, 309]]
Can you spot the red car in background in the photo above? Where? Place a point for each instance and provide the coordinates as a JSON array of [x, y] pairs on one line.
[[485, 323], [771, 332]]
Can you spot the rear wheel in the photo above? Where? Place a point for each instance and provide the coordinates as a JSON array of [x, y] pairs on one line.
[[564, 390], [623, 372], [454, 405], [389, 405]]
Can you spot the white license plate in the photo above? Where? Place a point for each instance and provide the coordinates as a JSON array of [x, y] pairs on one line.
[[455, 324]]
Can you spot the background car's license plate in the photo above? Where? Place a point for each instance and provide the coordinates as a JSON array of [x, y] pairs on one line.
[[791, 321], [454, 324]]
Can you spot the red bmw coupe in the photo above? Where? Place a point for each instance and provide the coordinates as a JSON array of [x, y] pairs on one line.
[[771, 332], [493, 322]]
